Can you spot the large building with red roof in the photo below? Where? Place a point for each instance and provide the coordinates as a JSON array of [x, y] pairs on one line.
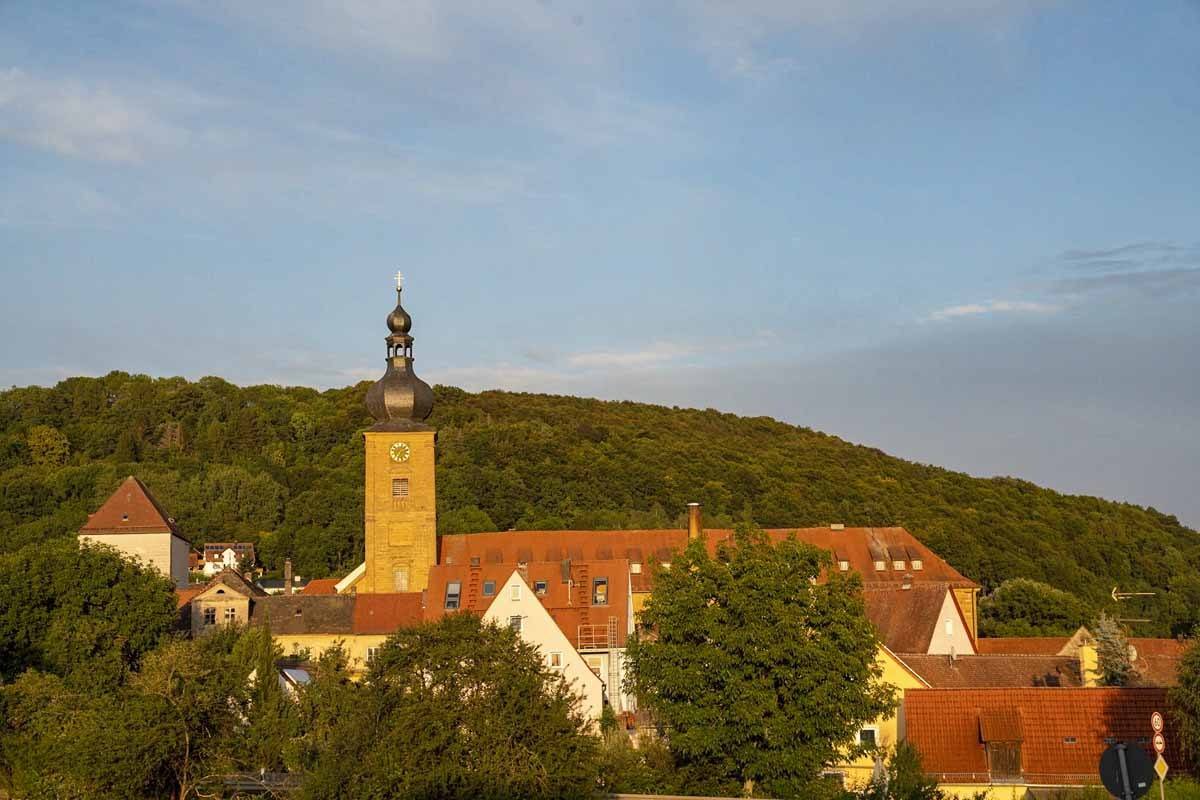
[[133, 522]]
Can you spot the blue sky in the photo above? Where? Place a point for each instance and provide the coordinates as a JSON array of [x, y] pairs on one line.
[[965, 232]]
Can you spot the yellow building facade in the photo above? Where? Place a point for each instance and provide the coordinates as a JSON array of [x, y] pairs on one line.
[[401, 510]]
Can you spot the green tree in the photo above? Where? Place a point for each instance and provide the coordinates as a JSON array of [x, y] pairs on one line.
[[465, 520], [903, 779], [456, 709], [68, 609], [1112, 651], [760, 673], [48, 447], [1024, 607], [174, 728], [1185, 705]]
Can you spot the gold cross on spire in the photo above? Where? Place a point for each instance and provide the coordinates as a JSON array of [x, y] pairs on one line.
[[399, 280]]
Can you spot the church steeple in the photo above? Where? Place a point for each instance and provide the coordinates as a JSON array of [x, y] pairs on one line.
[[399, 396]]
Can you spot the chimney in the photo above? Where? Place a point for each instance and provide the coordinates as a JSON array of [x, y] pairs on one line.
[[694, 526], [287, 576]]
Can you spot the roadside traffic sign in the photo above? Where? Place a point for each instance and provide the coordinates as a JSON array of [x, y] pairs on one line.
[[1126, 771], [1160, 743], [1160, 767], [1156, 722]]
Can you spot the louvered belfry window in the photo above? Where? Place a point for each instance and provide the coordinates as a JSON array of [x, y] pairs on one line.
[[399, 488]]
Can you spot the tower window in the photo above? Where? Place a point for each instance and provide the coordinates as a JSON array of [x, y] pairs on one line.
[[400, 579], [453, 595], [399, 488]]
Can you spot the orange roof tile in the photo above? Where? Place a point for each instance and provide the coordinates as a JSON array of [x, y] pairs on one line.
[[386, 613], [856, 545], [1063, 731], [130, 509], [905, 619], [321, 586], [992, 671], [186, 594], [1024, 645]]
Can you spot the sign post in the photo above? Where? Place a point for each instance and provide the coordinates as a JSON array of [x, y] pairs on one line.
[[1160, 746]]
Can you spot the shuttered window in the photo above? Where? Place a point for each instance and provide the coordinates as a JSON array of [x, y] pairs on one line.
[[399, 488]]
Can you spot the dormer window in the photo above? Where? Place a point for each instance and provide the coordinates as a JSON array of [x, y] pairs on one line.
[[844, 565], [898, 566], [453, 595], [917, 563], [635, 568], [539, 588], [880, 565]]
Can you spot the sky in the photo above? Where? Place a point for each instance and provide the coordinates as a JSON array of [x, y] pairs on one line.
[[966, 232]]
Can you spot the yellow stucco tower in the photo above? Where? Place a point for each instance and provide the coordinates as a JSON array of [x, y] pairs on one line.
[[401, 497]]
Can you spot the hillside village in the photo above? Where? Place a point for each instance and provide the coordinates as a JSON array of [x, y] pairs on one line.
[[1008, 717]]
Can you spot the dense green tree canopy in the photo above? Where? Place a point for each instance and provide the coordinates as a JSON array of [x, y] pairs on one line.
[[760, 674], [1024, 607], [66, 610], [454, 709], [283, 467]]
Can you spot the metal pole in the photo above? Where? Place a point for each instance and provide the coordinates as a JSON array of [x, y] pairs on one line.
[[1124, 771]]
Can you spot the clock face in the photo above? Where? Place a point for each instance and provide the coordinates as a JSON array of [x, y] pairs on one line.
[[399, 451]]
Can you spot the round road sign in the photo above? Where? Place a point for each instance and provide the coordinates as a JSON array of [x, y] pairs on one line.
[[1139, 769], [1156, 722], [1160, 743]]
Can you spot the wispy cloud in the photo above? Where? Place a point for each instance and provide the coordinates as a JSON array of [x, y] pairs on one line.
[[85, 120], [993, 307], [1158, 269], [656, 353]]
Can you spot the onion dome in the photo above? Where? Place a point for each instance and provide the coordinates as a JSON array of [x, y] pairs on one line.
[[399, 397]]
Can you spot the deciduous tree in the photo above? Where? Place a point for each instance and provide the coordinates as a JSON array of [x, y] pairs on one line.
[[760, 666]]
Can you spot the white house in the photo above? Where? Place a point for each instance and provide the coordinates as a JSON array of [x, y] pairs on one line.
[[518, 607], [133, 522]]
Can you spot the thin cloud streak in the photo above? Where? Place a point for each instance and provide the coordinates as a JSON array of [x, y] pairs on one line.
[[993, 307]]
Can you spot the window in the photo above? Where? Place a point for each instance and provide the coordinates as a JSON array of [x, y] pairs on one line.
[[949, 627], [600, 591], [866, 737], [917, 563], [844, 565], [515, 623], [1069, 740], [489, 588], [371, 653], [210, 616], [453, 594], [556, 660], [400, 579], [880, 565], [230, 615], [514, 592], [539, 588], [299, 612], [898, 565], [399, 488], [635, 568]]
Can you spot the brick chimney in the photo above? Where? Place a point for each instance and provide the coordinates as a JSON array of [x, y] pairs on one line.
[[695, 528], [287, 576]]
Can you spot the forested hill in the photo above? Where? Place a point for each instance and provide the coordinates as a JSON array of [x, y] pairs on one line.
[[283, 467]]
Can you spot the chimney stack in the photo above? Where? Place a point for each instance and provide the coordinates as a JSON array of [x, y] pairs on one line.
[[287, 576], [694, 526]]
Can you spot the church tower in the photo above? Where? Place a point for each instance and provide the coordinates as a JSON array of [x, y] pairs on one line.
[[401, 501]]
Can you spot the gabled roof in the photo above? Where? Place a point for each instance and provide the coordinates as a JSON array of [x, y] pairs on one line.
[[856, 545], [1062, 732], [234, 580], [321, 586], [130, 509], [1024, 645], [186, 594], [387, 613], [992, 671], [906, 619]]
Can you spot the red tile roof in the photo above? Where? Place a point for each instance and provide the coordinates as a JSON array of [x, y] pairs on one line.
[[856, 545], [1063, 732], [130, 509], [321, 586], [906, 619], [188, 593], [992, 671], [386, 613], [1024, 645]]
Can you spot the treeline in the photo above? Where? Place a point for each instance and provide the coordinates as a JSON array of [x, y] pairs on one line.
[[283, 467]]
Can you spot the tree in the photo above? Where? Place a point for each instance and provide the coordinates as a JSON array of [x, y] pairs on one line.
[[903, 779], [1024, 607], [68, 609], [1112, 651], [760, 673], [455, 709], [48, 447], [1185, 705], [174, 728]]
